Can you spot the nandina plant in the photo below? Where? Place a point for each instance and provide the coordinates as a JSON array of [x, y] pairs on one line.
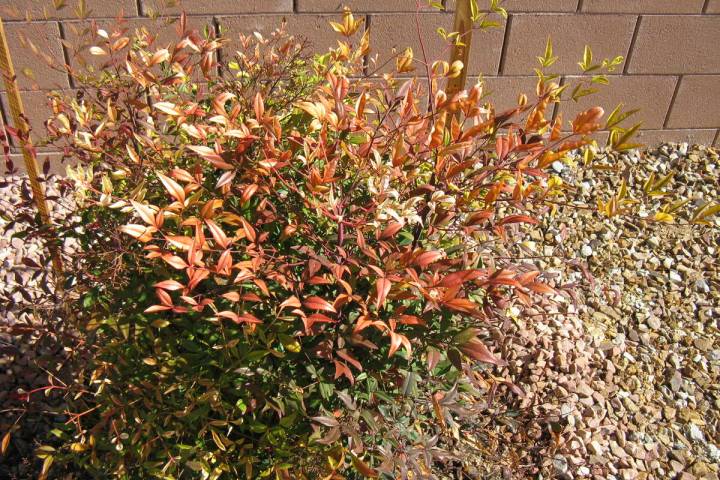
[[286, 268]]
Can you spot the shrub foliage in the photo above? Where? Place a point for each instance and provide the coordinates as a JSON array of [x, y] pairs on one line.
[[286, 268]]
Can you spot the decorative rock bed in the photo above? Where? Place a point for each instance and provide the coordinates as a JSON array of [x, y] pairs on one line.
[[626, 385]]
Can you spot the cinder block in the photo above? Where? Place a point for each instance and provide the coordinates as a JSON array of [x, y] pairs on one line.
[[513, 6], [218, 7], [314, 28], [503, 92], [677, 44], [651, 94], [164, 30], [643, 6], [361, 6], [32, 69], [713, 6], [54, 159], [386, 35], [44, 9], [36, 106], [607, 35], [653, 138], [697, 103]]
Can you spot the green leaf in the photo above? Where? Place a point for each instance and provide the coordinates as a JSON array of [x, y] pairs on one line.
[[587, 59], [548, 59]]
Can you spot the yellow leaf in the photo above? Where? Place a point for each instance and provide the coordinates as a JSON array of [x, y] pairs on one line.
[[664, 217], [218, 440], [404, 62]]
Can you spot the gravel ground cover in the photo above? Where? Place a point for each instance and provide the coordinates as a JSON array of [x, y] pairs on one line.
[[622, 384], [652, 408]]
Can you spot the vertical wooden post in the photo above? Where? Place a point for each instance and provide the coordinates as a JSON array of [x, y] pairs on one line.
[[18, 120], [463, 25]]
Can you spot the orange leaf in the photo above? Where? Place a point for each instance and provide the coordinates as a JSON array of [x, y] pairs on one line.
[[291, 302], [232, 296], [518, 219], [249, 230], [461, 305], [396, 340], [363, 468], [164, 297], [5, 443], [382, 286], [588, 121], [457, 278], [438, 130], [173, 188], [426, 258], [539, 287], [390, 230], [145, 212], [317, 303], [217, 233], [259, 107], [169, 285]]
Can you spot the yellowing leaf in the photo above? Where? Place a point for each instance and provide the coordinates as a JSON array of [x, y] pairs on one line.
[[168, 108], [664, 217], [145, 212], [97, 51], [173, 188]]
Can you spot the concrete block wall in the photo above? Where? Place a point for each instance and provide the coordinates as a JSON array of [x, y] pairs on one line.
[[672, 68]]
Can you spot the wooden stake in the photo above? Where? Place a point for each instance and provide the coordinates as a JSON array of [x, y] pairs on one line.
[[463, 25], [18, 120]]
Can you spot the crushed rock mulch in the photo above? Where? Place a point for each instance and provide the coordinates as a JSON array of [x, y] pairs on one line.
[[624, 384]]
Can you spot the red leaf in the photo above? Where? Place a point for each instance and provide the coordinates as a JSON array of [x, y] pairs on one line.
[[382, 286], [390, 230], [291, 302], [433, 358], [477, 350], [211, 156], [348, 358], [458, 278], [248, 318], [317, 303], [479, 217], [426, 258], [461, 305], [539, 287], [518, 219]]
